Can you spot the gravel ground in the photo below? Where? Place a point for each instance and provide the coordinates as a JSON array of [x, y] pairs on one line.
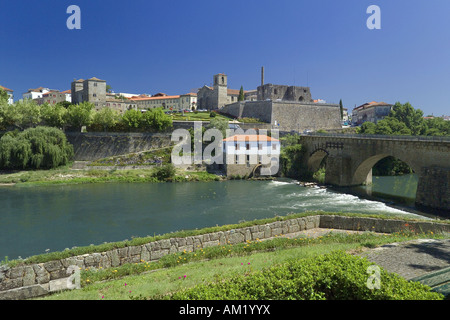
[[413, 258]]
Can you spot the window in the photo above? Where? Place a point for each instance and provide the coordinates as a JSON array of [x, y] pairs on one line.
[[237, 146], [247, 146], [94, 95], [95, 84], [274, 147], [260, 146]]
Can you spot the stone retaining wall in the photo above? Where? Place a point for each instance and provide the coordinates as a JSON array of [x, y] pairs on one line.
[[23, 282]]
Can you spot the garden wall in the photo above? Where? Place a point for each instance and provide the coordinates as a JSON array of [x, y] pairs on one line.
[[27, 281]]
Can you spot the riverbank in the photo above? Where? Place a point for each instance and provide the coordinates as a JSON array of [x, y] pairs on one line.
[[147, 279], [67, 175]]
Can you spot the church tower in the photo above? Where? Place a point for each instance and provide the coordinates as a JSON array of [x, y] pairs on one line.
[[221, 89]]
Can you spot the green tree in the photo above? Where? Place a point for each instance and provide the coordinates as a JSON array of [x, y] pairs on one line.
[[412, 118], [156, 120], [392, 126], [291, 158], [241, 94], [367, 128], [341, 107], [132, 119], [54, 116], [220, 124], [437, 127], [108, 88], [35, 148], [106, 118], [22, 114], [3, 97], [80, 115]]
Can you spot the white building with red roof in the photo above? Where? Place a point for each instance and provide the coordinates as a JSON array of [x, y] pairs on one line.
[[10, 94]]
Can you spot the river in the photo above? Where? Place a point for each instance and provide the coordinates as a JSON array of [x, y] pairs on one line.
[[52, 218]]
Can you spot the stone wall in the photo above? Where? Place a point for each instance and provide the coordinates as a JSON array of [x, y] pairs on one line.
[[27, 281], [95, 145], [300, 117], [433, 188], [289, 116]]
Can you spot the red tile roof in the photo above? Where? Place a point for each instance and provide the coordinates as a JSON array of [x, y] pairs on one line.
[[6, 89], [153, 98], [250, 137]]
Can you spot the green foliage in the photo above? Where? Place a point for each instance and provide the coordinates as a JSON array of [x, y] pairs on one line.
[[391, 166], [54, 116], [291, 157], [341, 108], [219, 124], [106, 118], [212, 114], [22, 114], [165, 172], [241, 94], [437, 127], [132, 119], [3, 97], [80, 115], [156, 120], [405, 120], [34, 148], [333, 276]]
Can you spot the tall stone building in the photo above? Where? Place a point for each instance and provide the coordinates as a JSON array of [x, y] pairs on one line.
[[92, 90]]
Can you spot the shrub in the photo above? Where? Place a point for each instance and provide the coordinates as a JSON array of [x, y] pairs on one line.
[[35, 148], [334, 276], [165, 172]]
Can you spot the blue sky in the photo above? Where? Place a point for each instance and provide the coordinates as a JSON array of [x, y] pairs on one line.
[[172, 46]]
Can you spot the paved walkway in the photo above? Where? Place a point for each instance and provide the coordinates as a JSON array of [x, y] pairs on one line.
[[413, 258]]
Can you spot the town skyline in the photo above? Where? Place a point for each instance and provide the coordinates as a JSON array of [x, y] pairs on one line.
[[326, 47]]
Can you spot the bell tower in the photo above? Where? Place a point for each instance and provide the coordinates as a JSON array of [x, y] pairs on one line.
[[221, 89]]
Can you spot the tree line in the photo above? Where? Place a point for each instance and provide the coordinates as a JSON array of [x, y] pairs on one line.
[[406, 120], [27, 114]]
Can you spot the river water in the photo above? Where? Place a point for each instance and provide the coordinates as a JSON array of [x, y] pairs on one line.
[[36, 219]]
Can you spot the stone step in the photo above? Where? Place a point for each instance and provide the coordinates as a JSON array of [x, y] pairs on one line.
[[438, 281]]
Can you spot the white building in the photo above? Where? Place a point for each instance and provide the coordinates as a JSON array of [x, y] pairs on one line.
[[10, 94], [250, 149], [35, 93]]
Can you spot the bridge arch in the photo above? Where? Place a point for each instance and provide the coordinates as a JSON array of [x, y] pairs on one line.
[[363, 169], [316, 158]]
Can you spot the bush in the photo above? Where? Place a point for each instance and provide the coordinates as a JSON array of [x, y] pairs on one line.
[[334, 276], [165, 172], [35, 148]]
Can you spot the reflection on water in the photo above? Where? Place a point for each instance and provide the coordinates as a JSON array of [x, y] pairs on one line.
[[396, 191], [58, 217]]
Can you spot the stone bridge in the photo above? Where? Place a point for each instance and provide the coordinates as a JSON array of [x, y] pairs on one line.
[[350, 158]]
